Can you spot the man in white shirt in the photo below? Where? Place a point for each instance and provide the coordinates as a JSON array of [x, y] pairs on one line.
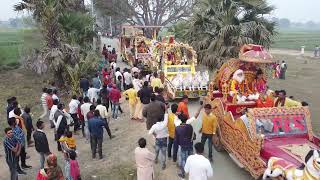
[[93, 94], [135, 69], [73, 111], [136, 82], [118, 73], [177, 121], [113, 66], [54, 94], [109, 48], [104, 115], [53, 110], [85, 108], [127, 78], [160, 132], [198, 167]]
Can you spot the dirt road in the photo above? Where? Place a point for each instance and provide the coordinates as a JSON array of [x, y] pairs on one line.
[[118, 162]]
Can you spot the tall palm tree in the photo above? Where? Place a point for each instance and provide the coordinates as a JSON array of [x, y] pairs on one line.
[[47, 13], [220, 27]]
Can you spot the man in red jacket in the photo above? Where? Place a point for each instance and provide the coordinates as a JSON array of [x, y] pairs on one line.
[[115, 96], [49, 99]]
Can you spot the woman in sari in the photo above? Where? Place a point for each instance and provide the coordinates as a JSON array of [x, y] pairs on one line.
[[52, 172]]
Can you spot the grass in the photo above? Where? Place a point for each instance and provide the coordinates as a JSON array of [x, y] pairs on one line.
[[296, 38], [14, 44]]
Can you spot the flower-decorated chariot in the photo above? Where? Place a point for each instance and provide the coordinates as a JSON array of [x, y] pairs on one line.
[[265, 140]]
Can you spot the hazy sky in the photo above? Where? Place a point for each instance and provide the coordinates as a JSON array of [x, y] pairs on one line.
[[295, 10]]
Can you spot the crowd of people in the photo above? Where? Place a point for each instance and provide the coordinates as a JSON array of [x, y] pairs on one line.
[[90, 113], [279, 70], [21, 130]]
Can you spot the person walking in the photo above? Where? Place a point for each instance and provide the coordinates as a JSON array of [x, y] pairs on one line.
[[171, 130], [41, 143], [184, 138], [96, 81], [144, 161], [28, 123], [84, 86], [73, 111], [49, 99], [153, 111], [20, 136], [160, 132], [283, 69], [53, 171], [12, 150], [145, 93], [61, 124], [104, 95], [198, 167], [19, 120], [93, 94], [159, 94], [209, 127], [44, 103], [55, 95], [316, 51], [118, 74], [53, 110], [104, 115], [115, 96], [127, 78], [156, 82], [119, 83], [96, 125], [131, 95], [74, 166], [183, 106], [80, 115], [85, 108]]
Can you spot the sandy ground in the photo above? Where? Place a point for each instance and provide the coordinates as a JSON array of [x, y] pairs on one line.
[[118, 162]]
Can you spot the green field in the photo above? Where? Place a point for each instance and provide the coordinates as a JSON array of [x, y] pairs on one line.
[[15, 43], [10, 47], [295, 39]]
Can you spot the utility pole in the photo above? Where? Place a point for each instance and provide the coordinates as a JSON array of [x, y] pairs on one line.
[[94, 24], [110, 23]]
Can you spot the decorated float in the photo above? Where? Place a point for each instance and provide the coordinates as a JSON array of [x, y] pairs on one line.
[[178, 64], [136, 47], [267, 141], [175, 61]]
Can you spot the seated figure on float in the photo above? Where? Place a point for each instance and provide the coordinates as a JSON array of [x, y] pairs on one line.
[[142, 48], [239, 87], [260, 83]]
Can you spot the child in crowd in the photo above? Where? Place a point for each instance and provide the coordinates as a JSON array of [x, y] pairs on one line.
[[74, 166], [68, 140]]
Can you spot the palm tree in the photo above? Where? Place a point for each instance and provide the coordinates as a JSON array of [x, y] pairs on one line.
[[49, 14], [77, 28], [220, 27]]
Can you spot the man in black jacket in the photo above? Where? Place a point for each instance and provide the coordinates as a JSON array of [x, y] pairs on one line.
[[41, 143], [145, 93], [60, 123]]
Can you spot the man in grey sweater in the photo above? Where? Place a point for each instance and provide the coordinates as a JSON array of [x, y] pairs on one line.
[[153, 111]]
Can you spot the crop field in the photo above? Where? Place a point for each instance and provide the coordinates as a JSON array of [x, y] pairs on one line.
[[10, 47], [15, 43], [295, 39]]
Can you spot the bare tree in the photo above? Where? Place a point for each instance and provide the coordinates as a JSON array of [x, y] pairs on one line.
[[146, 12]]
